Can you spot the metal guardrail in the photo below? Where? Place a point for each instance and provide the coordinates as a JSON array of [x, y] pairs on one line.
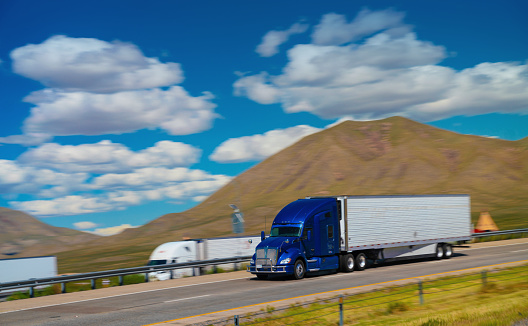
[[489, 234], [117, 272]]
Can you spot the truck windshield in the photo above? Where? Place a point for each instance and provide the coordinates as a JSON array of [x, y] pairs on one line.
[[156, 262], [285, 231]]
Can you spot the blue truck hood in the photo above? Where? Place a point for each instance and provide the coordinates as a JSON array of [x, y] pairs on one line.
[[276, 242]]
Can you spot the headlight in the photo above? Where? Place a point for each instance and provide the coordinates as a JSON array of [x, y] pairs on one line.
[[285, 261], [252, 261]]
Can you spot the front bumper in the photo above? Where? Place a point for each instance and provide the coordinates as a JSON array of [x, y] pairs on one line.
[[271, 269]]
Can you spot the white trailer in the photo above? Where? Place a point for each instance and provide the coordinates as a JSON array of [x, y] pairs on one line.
[[388, 227], [201, 249], [23, 269]]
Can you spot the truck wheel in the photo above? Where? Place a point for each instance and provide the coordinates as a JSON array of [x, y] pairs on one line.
[[262, 276], [298, 269], [361, 262], [448, 250], [439, 253], [347, 263]]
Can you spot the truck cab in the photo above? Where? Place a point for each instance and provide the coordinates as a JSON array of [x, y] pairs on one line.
[[304, 238]]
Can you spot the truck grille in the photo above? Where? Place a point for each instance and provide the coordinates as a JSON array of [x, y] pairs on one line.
[[266, 256]]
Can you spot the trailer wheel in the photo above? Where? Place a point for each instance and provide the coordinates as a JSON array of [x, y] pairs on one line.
[[439, 253], [347, 263], [262, 276], [448, 250], [298, 269], [361, 262]]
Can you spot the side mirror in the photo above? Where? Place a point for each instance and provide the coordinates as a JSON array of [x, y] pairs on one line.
[[309, 236], [262, 236]]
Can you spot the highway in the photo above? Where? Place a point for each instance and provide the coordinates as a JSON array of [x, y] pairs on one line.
[[198, 299]]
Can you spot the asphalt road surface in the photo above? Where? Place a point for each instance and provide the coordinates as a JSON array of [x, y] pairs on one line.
[[198, 299]]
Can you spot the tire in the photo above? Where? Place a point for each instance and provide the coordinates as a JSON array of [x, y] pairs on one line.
[[347, 263], [262, 276], [439, 252], [360, 262], [299, 269], [448, 250]]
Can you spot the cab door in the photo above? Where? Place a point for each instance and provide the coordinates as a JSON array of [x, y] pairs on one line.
[[325, 233]]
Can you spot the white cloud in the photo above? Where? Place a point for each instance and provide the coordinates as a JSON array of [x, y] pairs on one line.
[[81, 113], [388, 71], [68, 205], [257, 88], [258, 147], [147, 177], [87, 64], [334, 30], [112, 230], [485, 88], [112, 192], [106, 157], [273, 39], [30, 139], [85, 225], [16, 179]]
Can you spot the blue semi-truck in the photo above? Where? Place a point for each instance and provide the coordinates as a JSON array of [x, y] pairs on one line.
[[347, 233]]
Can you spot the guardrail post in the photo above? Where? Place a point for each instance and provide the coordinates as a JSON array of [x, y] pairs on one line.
[[146, 277], [31, 292], [92, 281], [237, 322], [484, 275], [121, 282], [63, 287], [420, 292], [341, 310]]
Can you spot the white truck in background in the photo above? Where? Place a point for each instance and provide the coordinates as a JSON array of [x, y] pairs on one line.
[[196, 250], [27, 268]]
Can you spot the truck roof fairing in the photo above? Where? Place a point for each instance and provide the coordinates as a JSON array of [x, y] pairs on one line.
[[299, 210]]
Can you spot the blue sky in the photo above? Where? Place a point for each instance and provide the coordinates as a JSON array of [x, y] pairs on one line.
[[114, 113]]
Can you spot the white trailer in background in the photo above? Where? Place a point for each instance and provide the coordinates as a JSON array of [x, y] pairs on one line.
[[23, 269], [196, 250]]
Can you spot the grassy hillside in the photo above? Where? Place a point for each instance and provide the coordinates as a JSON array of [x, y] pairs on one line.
[[391, 156]]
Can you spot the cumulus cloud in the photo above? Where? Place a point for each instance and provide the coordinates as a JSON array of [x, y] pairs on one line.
[[334, 29], [112, 230], [120, 197], [82, 113], [273, 39], [16, 179], [107, 157], [258, 147], [30, 139], [87, 64], [96, 87], [256, 88], [85, 225], [376, 67]]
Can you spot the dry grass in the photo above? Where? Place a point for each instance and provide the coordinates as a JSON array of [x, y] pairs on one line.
[[448, 301]]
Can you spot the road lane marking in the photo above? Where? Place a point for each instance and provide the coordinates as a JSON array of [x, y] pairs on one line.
[[346, 289], [519, 250], [182, 299], [120, 295]]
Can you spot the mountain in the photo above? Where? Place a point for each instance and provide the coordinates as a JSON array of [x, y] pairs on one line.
[[24, 235], [390, 156]]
